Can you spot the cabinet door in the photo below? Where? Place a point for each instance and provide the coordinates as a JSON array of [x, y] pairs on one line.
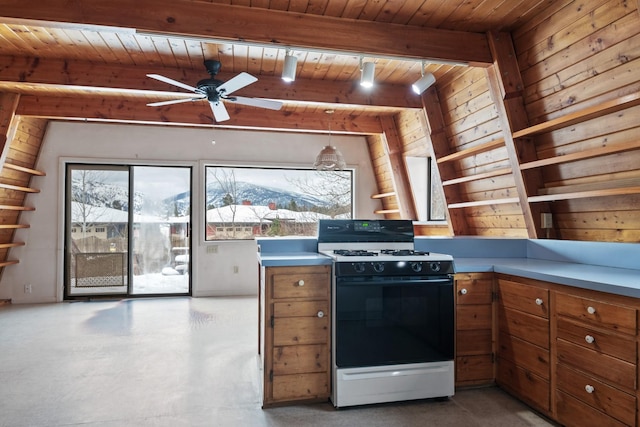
[[297, 334], [523, 362], [474, 323]]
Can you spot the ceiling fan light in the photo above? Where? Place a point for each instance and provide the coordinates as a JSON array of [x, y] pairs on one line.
[[368, 74], [421, 85], [289, 69], [329, 159]]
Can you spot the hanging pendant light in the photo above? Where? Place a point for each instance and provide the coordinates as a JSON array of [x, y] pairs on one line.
[[329, 158]]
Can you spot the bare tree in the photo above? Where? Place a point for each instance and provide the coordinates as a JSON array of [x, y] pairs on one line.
[[226, 179], [328, 185]]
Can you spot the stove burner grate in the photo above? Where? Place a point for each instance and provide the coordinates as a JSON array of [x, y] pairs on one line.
[[354, 252], [403, 252]]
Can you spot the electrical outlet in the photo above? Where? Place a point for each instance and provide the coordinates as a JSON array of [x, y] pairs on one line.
[[236, 269], [547, 220], [27, 289]]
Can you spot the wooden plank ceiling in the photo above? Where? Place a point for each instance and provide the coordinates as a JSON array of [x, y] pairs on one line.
[[89, 59]]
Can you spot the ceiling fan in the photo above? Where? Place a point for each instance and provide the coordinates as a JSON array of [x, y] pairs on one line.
[[215, 91]]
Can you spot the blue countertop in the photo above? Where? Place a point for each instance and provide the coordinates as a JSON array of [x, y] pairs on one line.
[[619, 281], [284, 259], [605, 267]]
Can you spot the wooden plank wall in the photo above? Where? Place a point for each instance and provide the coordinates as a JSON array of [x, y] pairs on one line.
[[23, 151], [383, 174], [471, 121], [571, 57]]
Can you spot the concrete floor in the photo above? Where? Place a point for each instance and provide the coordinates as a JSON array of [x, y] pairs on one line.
[[179, 362]]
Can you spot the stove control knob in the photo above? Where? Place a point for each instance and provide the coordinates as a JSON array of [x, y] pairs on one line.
[[416, 266], [358, 267], [435, 266], [378, 267]]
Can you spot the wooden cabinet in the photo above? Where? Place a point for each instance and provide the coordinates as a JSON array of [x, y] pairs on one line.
[[474, 323], [523, 338], [596, 361], [295, 333]]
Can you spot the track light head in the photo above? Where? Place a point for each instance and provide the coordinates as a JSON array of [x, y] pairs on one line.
[[289, 69], [421, 85], [368, 74]]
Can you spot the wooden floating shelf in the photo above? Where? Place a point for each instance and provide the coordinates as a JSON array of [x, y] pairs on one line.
[[599, 110], [488, 146], [585, 194], [7, 226], [477, 177], [23, 169], [17, 208], [18, 188], [6, 263], [11, 245], [483, 203], [383, 195], [386, 211], [634, 145]]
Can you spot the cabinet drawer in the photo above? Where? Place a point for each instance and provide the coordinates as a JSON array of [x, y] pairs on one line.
[[300, 386], [301, 309], [477, 341], [300, 330], [524, 354], [473, 317], [572, 412], [610, 316], [529, 299], [619, 346], [529, 387], [525, 326], [613, 370], [297, 359], [473, 290], [607, 399], [296, 282]]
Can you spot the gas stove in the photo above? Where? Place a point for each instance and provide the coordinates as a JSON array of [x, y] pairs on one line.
[[378, 247], [392, 313]]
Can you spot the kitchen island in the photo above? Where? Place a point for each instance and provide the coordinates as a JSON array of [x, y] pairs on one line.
[[552, 322]]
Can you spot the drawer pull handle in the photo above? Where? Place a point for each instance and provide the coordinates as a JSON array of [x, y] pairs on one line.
[[589, 339], [591, 310], [463, 291], [321, 313], [300, 282], [589, 388], [539, 301]]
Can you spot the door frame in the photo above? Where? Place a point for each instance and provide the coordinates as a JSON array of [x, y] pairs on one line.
[[64, 164]]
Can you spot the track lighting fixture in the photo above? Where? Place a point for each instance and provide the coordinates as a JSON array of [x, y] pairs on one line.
[[368, 70], [289, 69], [425, 81]]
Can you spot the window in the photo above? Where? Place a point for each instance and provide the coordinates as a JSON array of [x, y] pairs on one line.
[[246, 202], [426, 189]]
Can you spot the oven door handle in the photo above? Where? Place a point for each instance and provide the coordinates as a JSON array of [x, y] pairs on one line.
[[425, 282]]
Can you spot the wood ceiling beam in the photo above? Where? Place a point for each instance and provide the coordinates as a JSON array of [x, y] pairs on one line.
[[262, 26], [133, 79], [198, 114]]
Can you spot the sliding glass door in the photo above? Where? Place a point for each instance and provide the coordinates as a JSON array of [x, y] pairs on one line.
[[127, 230]]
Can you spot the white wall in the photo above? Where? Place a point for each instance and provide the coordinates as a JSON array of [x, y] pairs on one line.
[[41, 258]]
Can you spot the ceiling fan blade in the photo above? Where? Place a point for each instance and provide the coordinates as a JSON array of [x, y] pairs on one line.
[[172, 82], [219, 111], [175, 101], [257, 102], [238, 82]]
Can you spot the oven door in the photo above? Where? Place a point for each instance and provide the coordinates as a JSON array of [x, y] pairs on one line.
[[393, 320]]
